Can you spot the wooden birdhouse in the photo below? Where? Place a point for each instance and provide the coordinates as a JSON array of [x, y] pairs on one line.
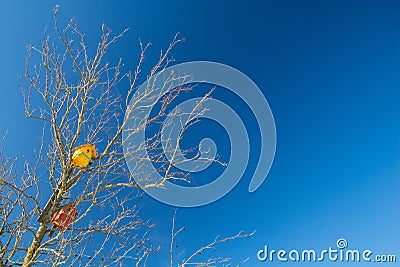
[[84, 155], [64, 217]]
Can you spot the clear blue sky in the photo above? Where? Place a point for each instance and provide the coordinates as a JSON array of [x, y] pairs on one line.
[[331, 73]]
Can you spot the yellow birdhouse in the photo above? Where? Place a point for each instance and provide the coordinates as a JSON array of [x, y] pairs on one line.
[[84, 155]]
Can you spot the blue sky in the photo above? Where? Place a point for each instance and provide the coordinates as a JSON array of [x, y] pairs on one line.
[[330, 71]]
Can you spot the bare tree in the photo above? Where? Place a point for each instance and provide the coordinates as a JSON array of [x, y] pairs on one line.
[[73, 92], [18, 195], [201, 256]]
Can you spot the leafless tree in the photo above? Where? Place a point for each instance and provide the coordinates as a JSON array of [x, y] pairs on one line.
[[74, 93], [202, 257]]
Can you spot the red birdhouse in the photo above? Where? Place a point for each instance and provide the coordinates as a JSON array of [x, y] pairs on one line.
[[64, 217]]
